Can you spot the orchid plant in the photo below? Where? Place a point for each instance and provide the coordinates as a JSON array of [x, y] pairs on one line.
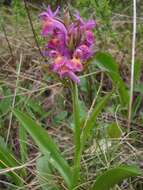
[[69, 47]]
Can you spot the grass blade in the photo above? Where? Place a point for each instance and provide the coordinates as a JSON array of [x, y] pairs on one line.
[[7, 160], [23, 146]]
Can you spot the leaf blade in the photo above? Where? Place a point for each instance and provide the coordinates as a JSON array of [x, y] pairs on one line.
[[44, 172], [114, 130], [45, 143], [106, 62], [114, 176]]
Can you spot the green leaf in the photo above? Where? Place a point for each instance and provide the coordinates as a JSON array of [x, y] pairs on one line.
[[45, 173], [23, 146], [60, 117], [8, 160], [136, 105], [92, 119], [82, 110], [114, 131], [138, 88], [115, 176], [46, 144], [137, 71], [33, 104], [5, 103], [107, 63]]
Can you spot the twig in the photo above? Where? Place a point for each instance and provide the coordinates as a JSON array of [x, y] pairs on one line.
[[32, 27], [6, 37], [132, 64]]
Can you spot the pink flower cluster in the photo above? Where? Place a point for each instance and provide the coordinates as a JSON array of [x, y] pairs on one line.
[[69, 45]]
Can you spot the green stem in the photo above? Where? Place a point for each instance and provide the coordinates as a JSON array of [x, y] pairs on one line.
[[77, 133]]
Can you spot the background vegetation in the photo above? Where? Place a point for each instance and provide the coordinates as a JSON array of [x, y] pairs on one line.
[[26, 85]]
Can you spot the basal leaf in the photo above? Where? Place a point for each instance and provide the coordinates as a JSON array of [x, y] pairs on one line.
[[46, 144], [45, 174], [107, 63], [115, 176]]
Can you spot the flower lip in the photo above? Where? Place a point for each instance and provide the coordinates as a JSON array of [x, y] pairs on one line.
[[77, 65]]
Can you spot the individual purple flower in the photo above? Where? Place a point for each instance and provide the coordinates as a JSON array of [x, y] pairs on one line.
[[66, 68], [53, 53], [83, 52], [51, 23], [69, 45], [77, 65], [85, 25], [89, 36], [90, 25], [49, 13], [57, 44]]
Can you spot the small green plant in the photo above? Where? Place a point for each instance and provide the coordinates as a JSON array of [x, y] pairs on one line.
[[19, 12]]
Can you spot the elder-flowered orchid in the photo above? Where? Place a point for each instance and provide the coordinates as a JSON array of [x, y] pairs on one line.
[[68, 46]]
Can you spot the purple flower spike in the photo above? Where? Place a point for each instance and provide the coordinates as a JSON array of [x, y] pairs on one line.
[[68, 45]]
